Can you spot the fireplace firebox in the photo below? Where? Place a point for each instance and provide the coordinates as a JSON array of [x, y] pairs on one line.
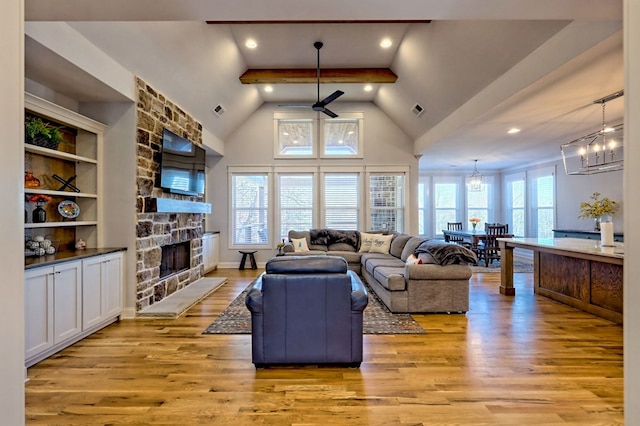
[[175, 258]]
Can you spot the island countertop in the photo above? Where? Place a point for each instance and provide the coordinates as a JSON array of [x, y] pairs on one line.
[[575, 245]]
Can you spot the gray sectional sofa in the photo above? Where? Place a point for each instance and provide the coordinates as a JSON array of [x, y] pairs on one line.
[[439, 284]]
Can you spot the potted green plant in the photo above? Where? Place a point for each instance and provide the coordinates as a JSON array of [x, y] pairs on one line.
[[597, 209], [40, 133]]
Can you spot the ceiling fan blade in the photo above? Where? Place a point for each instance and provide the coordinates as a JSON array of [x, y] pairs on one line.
[[329, 113], [332, 97]]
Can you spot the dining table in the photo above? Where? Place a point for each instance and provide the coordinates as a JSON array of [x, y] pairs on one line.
[[473, 236]]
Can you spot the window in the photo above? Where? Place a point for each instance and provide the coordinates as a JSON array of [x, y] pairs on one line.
[[446, 202], [478, 203], [294, 135], [342, 137], [387, 202], [296, 197], [542, 209], [341, 197], [516, 198], [250, 209], [267, 202]]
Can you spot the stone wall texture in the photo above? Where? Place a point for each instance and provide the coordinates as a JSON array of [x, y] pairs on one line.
[[154, 230]]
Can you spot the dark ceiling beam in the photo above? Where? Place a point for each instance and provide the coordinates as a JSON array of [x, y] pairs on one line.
[[327, 75], [376, 21]]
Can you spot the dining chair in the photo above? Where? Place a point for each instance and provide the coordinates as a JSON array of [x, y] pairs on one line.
[[457, 226], [489, 249]]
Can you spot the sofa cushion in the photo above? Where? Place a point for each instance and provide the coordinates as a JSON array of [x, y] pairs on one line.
[[390, 277], [381, 244], [397, 244], [349, 256], [307, 253], [411, 247], [341, 247], [372, 263], [299, 234]]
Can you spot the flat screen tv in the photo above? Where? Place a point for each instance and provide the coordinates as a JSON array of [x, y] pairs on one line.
[[182, 167]]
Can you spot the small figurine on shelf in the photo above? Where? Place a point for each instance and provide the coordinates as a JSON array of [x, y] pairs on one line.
[[281, 248], [39, 215], [81, 244], [30, 181]]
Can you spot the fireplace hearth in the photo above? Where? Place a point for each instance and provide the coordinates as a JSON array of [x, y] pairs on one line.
[[175, 258]]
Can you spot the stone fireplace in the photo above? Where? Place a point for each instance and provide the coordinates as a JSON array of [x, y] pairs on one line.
[[158, 229], [175, 258]]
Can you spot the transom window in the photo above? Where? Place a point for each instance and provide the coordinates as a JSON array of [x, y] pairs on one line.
[[296, 135]]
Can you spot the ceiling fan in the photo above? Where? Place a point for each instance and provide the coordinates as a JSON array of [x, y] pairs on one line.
[[320, 105]]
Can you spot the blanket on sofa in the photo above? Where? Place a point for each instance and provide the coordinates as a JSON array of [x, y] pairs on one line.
[[446, 253], [327, 237]]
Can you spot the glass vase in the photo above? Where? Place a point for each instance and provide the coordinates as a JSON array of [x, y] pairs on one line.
[[39, 215]]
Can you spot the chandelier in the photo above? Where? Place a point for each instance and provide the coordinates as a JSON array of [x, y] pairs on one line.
[[597, 152], [475, 182]]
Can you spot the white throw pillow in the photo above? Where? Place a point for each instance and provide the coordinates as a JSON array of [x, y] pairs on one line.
[[365, 242], [381, 243], [299, 244], [413, 260]]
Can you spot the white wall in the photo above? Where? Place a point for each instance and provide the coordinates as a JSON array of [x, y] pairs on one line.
[[252, 144], [572, 190], [12, 371], [119, 186], [631, 208]]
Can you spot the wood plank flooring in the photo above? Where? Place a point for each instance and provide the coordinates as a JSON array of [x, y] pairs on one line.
[[523, 360]]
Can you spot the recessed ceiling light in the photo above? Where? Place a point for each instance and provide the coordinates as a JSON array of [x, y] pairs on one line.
[[268, 89], [251, 43], [368, 88], [513, 131], [386, 43]]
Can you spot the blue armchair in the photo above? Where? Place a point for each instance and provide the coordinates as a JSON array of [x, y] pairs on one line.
[[307, 310]]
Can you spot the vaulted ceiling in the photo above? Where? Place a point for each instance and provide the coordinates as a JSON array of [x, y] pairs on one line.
[[478, 68]]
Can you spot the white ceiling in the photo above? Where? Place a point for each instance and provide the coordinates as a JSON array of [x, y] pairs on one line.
[[479, 68]]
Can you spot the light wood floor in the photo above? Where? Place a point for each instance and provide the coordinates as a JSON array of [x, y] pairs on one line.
[[520, 360]]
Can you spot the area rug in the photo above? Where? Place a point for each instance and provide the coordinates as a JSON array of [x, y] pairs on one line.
[[518, 266], [377, 319]]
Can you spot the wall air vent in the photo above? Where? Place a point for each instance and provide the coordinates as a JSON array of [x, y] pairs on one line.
[[219, 110], [417, 110]]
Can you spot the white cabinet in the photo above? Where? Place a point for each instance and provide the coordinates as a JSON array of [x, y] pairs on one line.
[[69, 300], [210, 251], [53, 306], [102, 278], [38, 295]]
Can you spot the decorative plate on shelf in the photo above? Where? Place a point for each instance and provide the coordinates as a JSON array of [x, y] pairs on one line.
[[68, 209]]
